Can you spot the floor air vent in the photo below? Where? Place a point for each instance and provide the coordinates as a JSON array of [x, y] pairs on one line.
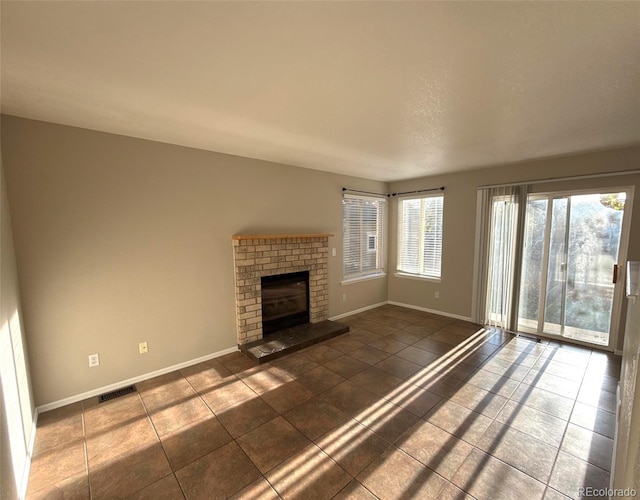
[[116, 394]]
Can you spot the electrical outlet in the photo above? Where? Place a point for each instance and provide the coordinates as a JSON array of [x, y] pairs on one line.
[[344, 297], [436, 295], [94, 360], [333, 252], [143, 347]]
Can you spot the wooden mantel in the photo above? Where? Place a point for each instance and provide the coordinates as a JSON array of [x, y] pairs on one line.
[[279, 236]]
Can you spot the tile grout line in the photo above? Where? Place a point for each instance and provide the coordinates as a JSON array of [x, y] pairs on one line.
[[442, 398], [592, 431], [314, 442], [391, 444], [395, 443], [86, 451], [520, 383], [474, 445], [566, 427], [234, 439], [155, 432], [494, 419]]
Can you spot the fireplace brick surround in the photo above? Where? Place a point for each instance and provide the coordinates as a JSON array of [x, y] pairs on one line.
[[256, 256]]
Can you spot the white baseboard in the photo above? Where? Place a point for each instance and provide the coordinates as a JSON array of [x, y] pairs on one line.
[[22, 492], [400, 304], [134, 380], [357, 311], [146, 376], [433, 311]]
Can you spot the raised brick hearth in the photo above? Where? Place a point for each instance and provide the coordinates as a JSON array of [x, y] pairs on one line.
[[266, 255]]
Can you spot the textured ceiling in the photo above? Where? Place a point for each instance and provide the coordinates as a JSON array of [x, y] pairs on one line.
[[382, 90]]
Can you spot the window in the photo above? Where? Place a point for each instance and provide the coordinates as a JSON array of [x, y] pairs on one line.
[[420, 236], [363, 236]]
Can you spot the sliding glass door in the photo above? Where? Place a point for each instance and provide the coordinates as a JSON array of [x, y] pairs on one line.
[[569, 264]]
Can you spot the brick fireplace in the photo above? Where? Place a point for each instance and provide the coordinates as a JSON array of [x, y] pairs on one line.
[[256, 256]]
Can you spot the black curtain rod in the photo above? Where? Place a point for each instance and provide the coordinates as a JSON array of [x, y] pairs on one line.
[[364, 192], [441, 188]]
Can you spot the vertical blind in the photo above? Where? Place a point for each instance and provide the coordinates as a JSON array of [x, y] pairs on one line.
[[363, 235], [420, 235], [502, 214]]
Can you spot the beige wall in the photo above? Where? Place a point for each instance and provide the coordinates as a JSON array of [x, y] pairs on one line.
[[456, 286], [121, 240], [16, 400]]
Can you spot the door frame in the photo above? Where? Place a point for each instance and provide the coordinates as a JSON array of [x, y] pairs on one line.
[[618, 294]]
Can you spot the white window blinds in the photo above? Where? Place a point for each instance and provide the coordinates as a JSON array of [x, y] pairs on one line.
[[420, 235], [363, 236]]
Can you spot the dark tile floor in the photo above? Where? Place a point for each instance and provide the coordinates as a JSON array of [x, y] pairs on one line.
[[406, 405]]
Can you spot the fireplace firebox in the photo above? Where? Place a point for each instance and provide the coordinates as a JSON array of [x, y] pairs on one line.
[[285, 301]]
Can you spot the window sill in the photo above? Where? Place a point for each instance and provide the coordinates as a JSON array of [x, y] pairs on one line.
[[417, 277], [363, 278]]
